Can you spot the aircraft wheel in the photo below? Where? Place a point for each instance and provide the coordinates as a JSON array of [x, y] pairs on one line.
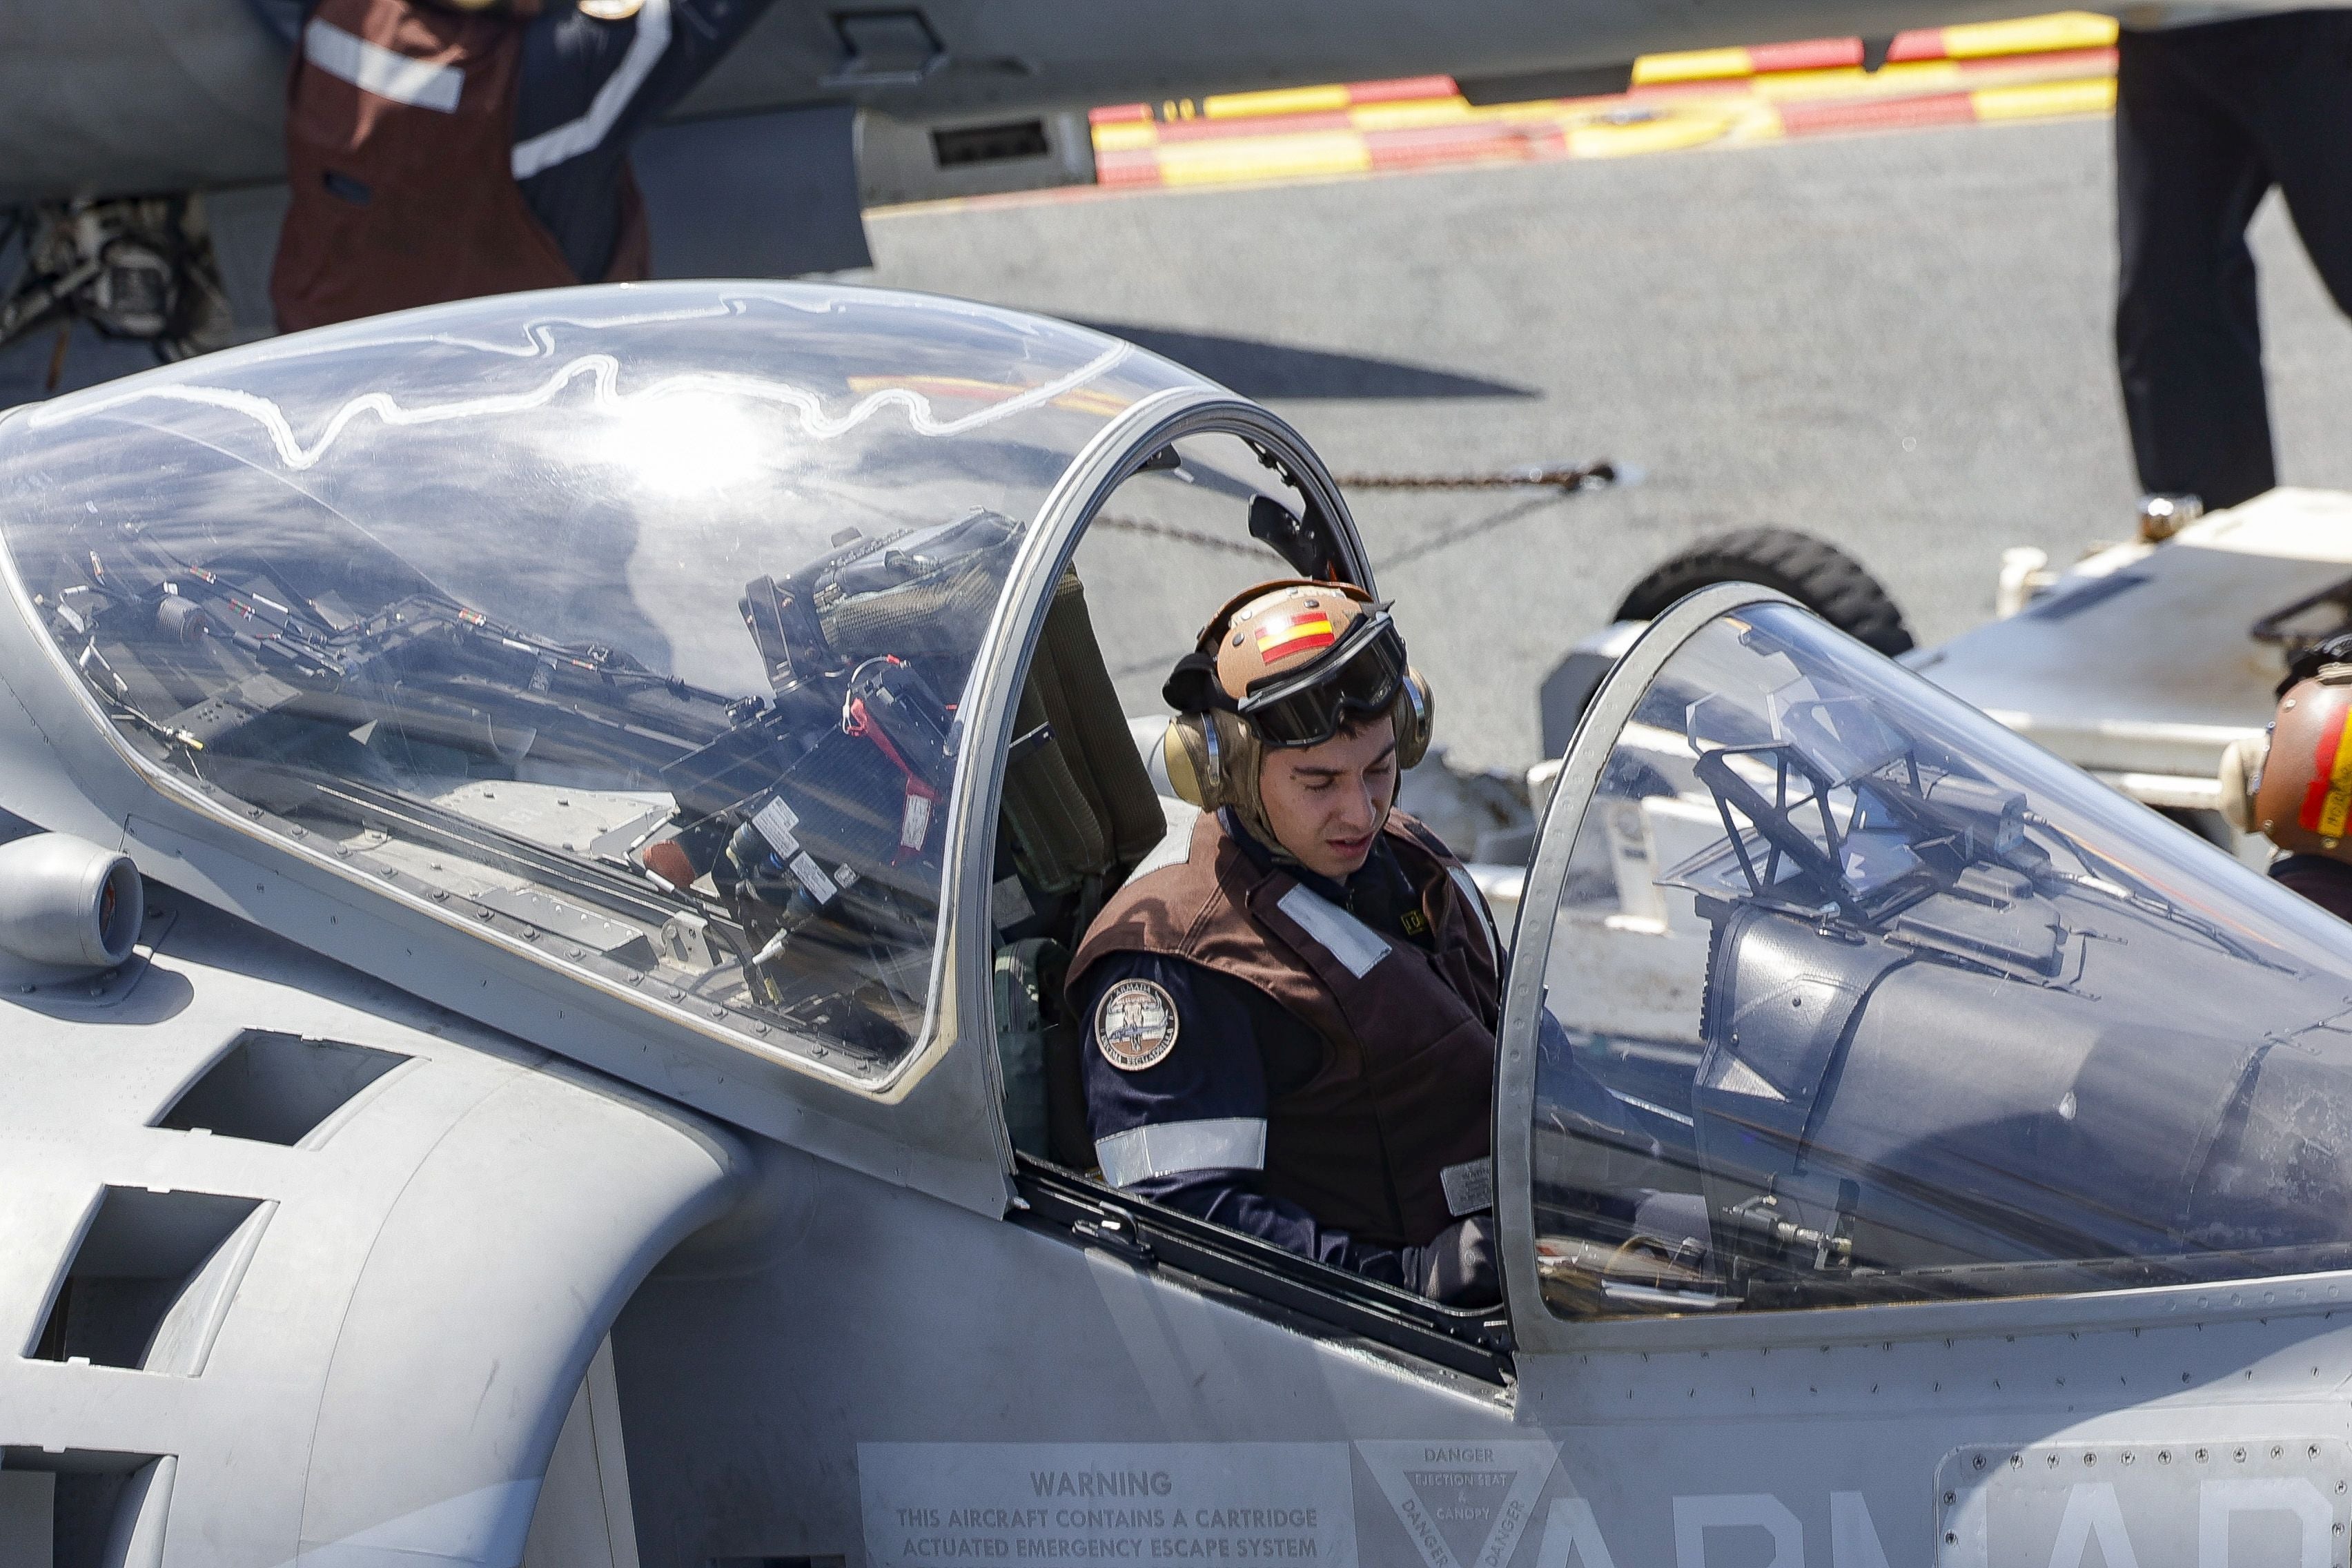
[[1813, 572]]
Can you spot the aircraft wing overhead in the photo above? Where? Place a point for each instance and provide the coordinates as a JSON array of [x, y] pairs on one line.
[[133, 97]]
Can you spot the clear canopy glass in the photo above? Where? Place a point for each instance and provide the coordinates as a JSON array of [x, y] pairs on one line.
[[634, 622], [1856, 996]]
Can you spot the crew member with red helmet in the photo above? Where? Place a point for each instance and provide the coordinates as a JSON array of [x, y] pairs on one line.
[[2293, 786], [1291, 1007]]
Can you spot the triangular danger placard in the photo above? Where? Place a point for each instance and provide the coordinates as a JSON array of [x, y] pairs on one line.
[[1465, 1504]]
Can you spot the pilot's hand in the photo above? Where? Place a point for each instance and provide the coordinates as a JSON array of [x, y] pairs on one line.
[[1457, 1269]]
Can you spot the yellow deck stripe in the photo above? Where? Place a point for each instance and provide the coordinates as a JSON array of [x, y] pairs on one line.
[[2030, 35], [2041, 101], [1293, 157], [1667, 133], [1692, 64], [1280, 100], [1126, 136]]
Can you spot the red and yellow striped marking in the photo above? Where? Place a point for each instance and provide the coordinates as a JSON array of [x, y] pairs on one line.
[[2059, 33], [2061, 64], [2327, 800], [1302, 632]]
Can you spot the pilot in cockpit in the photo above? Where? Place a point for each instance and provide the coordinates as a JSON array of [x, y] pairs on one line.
[[1291, 1008]]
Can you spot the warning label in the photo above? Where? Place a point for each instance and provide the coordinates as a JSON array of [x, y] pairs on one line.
[[1004, 1505], [1464, 1504]]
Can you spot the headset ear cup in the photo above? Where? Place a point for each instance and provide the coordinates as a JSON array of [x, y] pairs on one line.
[[2241, 778], [1416, 719], [1192, 763]]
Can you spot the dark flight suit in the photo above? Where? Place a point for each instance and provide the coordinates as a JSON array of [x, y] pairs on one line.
[[2208, 119], [2326, 882], [433, 154], [1331, 1095]]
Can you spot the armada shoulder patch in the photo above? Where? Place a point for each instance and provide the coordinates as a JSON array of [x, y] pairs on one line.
[[1135, 1025]]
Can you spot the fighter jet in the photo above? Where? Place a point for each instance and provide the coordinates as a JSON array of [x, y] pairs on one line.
[[540, 835]]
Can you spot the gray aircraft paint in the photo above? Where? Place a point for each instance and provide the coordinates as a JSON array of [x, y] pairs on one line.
[[827, 1321]]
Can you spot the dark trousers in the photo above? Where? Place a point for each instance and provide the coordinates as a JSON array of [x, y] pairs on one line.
[[569, 62], [2208, 119]]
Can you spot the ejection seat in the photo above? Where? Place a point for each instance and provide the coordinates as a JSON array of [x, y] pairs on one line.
[[1079, 812]]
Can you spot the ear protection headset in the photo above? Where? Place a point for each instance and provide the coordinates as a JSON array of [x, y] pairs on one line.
[[1212, 750]]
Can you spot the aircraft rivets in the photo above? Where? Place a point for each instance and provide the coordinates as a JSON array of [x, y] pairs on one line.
[[2054, 1461], [1951, 1539], [760, 1028], [2090, 1459], [441, 895], [636, 979], [2128, 1458], [1951, 1497], [1979, 1466], [2200, 1456], [2241, 1456], [2276, 1451], [2164, 1456], [481, 914]]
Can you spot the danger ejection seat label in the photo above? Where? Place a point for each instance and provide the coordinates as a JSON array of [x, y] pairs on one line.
[[1011, 1505]]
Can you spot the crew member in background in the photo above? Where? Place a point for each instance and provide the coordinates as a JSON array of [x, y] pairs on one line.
[[444, 149], [2209, 117], [2294, 785], [1291, 1008]]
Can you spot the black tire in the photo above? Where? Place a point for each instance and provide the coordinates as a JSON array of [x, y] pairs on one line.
[[1817, 574]]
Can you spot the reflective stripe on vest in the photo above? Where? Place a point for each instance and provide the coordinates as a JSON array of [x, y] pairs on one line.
[[385, 72], [584, 134], [1356, 945], [1171, 1148]]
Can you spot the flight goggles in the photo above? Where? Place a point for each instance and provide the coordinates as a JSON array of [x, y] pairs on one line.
[[1361, 675]]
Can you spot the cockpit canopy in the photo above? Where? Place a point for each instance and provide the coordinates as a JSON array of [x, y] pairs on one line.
[[633, 625], [1859, 996]]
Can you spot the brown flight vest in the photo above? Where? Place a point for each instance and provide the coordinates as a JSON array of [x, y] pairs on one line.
[[404, 193], [1406, 1088]]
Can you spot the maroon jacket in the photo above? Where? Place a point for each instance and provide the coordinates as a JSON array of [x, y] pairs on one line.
[[399, 151], [1406, 1088]]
